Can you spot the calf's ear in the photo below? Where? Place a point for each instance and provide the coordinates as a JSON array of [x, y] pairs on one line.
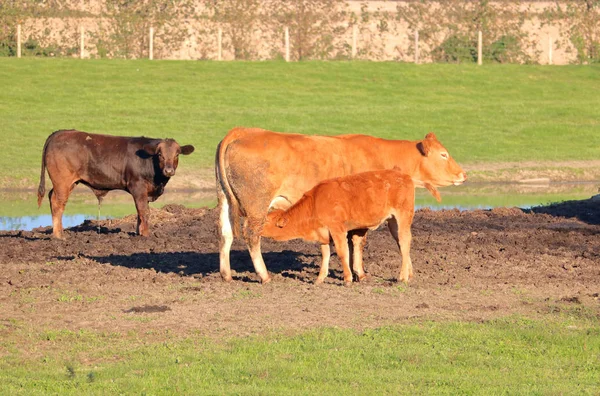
[[281, 221], [187, 149]]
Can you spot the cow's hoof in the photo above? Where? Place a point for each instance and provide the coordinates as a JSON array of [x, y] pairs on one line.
[[319, 281], [403, 280], [59, 237], [361, 277], [347, 283], [266, 280], [226, 278]]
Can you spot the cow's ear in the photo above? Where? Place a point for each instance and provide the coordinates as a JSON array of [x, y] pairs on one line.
[[282, 221], [150, 148], [423, 147], [431, 136], [187, 149]]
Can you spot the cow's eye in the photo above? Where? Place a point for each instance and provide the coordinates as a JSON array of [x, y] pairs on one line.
[[444, 155]]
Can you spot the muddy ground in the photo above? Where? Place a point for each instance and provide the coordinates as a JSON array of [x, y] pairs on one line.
[[469, 265]]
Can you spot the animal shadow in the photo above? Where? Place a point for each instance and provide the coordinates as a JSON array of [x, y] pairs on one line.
[[203, 264]]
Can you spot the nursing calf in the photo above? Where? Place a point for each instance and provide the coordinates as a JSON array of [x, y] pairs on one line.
[[259, 170], [139, 165], [357, 202]]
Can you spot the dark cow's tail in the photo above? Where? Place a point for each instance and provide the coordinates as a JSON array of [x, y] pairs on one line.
[[42, 187]]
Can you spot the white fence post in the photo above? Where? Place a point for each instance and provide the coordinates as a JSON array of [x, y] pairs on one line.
[[416, 47], [151, 41], [549, 50], [287, 44], [220, 44], [479, 48], [81, 42], [354, 38], [18, 40]]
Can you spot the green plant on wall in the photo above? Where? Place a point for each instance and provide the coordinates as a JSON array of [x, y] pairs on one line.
[[240, 21], [579, 22], [313, 26], [448, 29]]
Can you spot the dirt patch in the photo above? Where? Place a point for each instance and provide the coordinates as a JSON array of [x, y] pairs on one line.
[[469, 265]]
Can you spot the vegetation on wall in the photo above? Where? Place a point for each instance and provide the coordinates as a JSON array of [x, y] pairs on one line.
[[319, 29], [580, 27]]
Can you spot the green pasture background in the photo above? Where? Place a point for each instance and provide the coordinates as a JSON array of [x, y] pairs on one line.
[[493, 113]]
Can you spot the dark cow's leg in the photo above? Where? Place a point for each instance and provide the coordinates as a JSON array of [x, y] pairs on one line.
[[140, 196], [58, 196]]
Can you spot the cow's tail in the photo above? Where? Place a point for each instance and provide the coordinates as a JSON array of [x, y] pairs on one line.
[[223, 185], [42, 187]]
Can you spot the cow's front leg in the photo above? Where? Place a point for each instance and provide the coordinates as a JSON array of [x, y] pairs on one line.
[[140, 196]]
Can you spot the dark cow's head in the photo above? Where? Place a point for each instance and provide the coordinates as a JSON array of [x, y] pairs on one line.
[[167, 152]]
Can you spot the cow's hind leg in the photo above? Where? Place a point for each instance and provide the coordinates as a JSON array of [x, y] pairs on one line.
[[59, 196], [252, 237], [400, 228], [226, 237]]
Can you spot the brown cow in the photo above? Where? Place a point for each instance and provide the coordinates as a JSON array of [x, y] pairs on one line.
[[139, 165], [259, 170], [334, 207]]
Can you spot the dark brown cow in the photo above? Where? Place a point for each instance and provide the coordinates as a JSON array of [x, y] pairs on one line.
[[139, 165], [259, 170], [333, 208]]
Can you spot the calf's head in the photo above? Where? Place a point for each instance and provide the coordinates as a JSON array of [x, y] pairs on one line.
[[436, 167], [166, 153]]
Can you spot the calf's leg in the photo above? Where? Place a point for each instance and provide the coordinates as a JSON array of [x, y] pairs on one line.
[[325, 256], [359, 239], [340, 239], [399, 226]]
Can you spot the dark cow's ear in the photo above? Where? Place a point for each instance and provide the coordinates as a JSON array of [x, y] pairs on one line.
[[187, 149], [150, 148]]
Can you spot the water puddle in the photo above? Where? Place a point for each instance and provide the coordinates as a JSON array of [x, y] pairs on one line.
[[19, 210]]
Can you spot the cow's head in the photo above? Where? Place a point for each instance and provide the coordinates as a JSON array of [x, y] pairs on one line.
[[167, 152], [437, 167]]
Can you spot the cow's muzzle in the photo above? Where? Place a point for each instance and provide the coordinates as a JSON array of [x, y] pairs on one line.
[[169, 172]]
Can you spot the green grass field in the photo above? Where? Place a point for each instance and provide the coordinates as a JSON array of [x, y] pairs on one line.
[[559, 355], [494, 113]]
